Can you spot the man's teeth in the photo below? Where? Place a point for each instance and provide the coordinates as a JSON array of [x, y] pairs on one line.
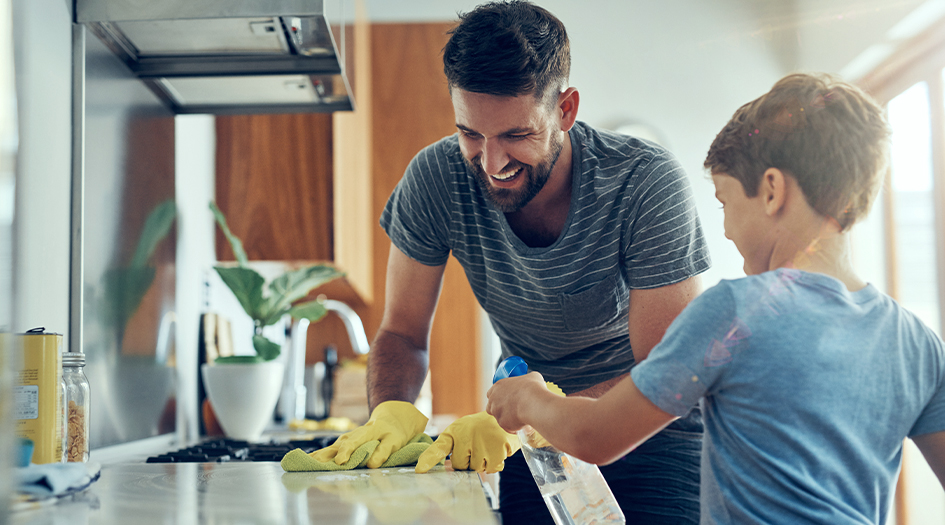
[[506, 175]]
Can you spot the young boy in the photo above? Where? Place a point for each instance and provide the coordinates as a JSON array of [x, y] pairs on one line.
[[809, 377]]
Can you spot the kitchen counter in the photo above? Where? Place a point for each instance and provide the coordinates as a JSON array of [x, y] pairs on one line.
[[246, 492]]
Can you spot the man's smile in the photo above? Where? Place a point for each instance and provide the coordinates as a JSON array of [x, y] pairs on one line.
[[506, 175]]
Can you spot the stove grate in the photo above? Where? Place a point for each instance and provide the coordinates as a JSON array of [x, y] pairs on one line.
[[222, 450]]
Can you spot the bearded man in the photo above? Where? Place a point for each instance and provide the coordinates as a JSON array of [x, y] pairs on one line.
[[582, 245]]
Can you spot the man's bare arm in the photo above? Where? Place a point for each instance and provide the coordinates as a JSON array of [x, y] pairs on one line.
[[600, 388], [651, 312], [399, 356]]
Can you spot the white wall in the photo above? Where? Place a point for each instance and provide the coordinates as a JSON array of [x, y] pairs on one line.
[[43, 56], [832, 35], [194, 146]]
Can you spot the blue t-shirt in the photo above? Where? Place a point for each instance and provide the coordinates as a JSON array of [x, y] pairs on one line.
[[808, 391], [563, 308]]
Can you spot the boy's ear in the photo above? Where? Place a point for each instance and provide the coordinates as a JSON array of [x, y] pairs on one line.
[[773, 189]]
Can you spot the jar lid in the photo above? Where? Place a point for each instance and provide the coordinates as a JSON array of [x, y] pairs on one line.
[[39, 330], [73, 359]]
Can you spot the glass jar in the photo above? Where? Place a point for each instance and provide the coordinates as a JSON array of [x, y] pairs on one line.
[[77, 402], [63, 420]]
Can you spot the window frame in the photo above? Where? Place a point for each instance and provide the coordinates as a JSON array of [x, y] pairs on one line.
[[919, 59]]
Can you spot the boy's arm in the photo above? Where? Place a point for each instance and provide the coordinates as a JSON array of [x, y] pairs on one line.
[[595, 430], [933, 448]]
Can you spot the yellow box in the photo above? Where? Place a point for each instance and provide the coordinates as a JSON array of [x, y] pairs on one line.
[[37, 394]]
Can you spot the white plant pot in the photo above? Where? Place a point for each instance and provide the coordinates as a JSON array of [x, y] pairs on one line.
[[243, 395]]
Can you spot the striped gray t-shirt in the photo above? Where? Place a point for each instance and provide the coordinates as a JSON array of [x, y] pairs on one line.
[[562, 308]]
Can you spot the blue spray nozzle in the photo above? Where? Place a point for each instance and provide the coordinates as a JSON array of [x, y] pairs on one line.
[[510, 367]]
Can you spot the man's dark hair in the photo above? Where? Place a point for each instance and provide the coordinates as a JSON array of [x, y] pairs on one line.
[[830, 136], [508, 48]]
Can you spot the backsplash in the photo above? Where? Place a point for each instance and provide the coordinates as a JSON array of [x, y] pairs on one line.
[[129, 254]]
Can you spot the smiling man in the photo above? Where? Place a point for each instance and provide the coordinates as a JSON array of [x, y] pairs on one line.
[[582, 246]]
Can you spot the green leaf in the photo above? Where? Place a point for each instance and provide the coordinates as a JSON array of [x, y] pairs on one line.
[[234, 241], [265, 348], [312, 310], [124, 290], [294, 285], [246, 284], [239, 359], [155, 228]]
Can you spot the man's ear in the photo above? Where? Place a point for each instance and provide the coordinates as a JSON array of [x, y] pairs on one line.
[[773, 190], [568, 102]]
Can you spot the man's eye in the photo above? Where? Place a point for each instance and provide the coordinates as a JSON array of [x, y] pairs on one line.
[[517, 137]]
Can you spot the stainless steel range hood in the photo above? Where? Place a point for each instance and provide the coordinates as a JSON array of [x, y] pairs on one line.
[[232, 56]]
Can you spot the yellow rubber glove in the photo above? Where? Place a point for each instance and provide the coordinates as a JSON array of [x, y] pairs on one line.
[[393, 423], [476, 442], [554, 388], [536, 439]]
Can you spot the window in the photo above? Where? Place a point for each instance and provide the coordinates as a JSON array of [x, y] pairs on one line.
[[912, 212]]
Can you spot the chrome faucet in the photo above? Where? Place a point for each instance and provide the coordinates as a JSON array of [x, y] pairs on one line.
[[293, 391], [353, 325]]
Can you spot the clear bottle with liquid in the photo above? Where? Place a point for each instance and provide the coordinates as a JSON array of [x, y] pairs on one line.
[[575, 491]]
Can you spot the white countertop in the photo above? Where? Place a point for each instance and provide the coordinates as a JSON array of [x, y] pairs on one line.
[[247, 492]]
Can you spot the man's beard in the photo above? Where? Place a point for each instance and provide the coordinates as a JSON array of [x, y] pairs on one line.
[[512, 200]]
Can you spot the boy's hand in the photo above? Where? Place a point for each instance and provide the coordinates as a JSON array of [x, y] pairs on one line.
[[509, 397]]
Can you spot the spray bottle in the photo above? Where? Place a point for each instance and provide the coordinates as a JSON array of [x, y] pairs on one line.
[[574, 490]]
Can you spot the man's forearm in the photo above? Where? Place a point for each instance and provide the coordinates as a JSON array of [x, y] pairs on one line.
[[396, 369], [600, 388]]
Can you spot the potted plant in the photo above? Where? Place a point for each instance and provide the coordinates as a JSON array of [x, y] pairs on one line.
[[243, 390]]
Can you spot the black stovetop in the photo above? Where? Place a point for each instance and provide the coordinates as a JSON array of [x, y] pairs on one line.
[[221, 450]]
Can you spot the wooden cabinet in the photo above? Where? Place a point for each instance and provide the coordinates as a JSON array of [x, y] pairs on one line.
[[312, 187], [273, 183], [412, 109]]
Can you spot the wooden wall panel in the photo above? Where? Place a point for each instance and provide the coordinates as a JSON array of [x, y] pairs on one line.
[[354, 226], [274, 185], [412, 109]]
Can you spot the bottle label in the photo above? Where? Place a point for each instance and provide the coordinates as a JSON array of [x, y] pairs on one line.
[[26, 402]]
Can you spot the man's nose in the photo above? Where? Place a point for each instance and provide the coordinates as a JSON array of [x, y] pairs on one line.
[[494, 159]]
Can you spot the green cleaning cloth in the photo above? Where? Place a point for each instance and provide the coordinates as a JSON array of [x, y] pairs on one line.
[[298, 461]]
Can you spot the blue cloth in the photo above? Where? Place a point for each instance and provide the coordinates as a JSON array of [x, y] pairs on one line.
[[563, 308], [656, 484], [56, 479], [808, 391]]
